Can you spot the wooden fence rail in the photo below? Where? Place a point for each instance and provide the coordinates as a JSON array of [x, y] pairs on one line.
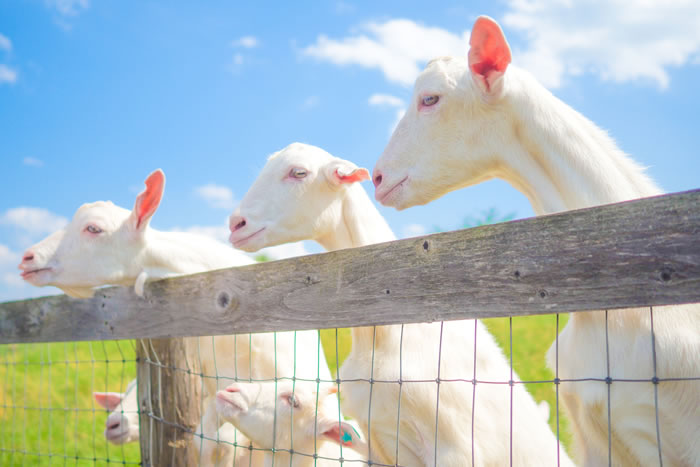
[[638, 253]]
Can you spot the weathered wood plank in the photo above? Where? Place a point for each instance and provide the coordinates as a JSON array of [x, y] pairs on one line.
[[638, 253], [168, 392]]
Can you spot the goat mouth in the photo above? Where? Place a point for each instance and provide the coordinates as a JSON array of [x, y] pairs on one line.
[[115, 435], [26, 275], [225, 401], [240, 242], [384, 198]]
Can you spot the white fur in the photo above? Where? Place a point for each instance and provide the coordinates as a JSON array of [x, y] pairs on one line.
[[122, 424], [128, 252], [289, 416], [514, 129], [340, 215]]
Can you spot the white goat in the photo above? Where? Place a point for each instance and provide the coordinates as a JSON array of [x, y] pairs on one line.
[[479, 118], [105, 244], [296, 420], [305, 193], [122, 425]]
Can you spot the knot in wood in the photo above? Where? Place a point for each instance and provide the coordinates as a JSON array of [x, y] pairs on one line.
[[666, 274], [226, 300], [310, 280]]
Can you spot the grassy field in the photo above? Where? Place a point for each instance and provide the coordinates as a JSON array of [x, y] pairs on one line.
[[48, 417]]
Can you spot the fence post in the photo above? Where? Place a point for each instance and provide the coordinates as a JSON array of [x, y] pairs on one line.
[[169, 399]]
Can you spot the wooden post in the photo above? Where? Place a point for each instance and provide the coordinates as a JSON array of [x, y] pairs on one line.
[[169, 399]]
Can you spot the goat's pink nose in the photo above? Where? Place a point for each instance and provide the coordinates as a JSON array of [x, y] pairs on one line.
[[377, 179], [236, 223], [26, 258], [233, 388]]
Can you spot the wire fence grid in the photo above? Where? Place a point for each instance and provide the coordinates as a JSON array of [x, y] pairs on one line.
[[48, 415]]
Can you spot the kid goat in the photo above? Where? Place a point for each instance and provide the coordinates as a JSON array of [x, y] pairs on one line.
[[305, 193], [295, 419], [105, 244], [477, 118]]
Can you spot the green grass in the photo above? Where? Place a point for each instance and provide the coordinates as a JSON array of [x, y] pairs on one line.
[[48, 417], [47, 413], [532, 337]]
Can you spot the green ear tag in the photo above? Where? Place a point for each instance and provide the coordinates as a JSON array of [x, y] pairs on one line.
[[346, 437]]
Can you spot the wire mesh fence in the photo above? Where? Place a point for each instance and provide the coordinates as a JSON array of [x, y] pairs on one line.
[[49, 414], [47, 410]]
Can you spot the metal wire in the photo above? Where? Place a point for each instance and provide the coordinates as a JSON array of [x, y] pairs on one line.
[[70, 426], [655, 381]]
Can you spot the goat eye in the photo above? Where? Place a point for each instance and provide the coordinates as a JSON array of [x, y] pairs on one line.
[[427, 101], [93, 229], [292, 400], [297, 173]]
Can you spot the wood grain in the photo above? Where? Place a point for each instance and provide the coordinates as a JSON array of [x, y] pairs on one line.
[[637, 253], [167, 392]]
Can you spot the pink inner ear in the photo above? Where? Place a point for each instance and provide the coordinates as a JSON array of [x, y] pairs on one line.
[[108, 400], [489, 52], [148, 201], [356, 175]]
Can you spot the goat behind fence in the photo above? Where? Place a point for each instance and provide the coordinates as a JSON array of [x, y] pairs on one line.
[[648, 260]]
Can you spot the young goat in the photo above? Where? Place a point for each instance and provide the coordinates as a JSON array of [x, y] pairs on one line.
[[122, 425], [295, 420], [477, 118], [305, 193], [105, 244]]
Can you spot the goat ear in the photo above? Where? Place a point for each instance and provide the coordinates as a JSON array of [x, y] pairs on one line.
[[341, 433], [147, 202], [341, 171], [108, 400], [489, 55]]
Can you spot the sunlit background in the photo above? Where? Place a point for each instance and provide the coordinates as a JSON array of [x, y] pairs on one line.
[[95, 94]]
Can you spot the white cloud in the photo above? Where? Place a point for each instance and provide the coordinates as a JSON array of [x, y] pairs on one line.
[[7, 256], [5, 43], [397, 47], [613, 40], [217, 196], [7, 74], [385, 100], [237, 59], [414, 230], [68, 7], [561, 39], [32, 162], [310, 102], [342, 8], [35, 221], [247, 42]]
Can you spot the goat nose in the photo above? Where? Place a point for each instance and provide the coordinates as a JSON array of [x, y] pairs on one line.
[[236, 223], [377, 180], [26, 258], [114, 425], [233, 388]]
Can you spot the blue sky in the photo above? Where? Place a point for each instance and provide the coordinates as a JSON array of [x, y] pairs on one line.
[[94, 95]]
